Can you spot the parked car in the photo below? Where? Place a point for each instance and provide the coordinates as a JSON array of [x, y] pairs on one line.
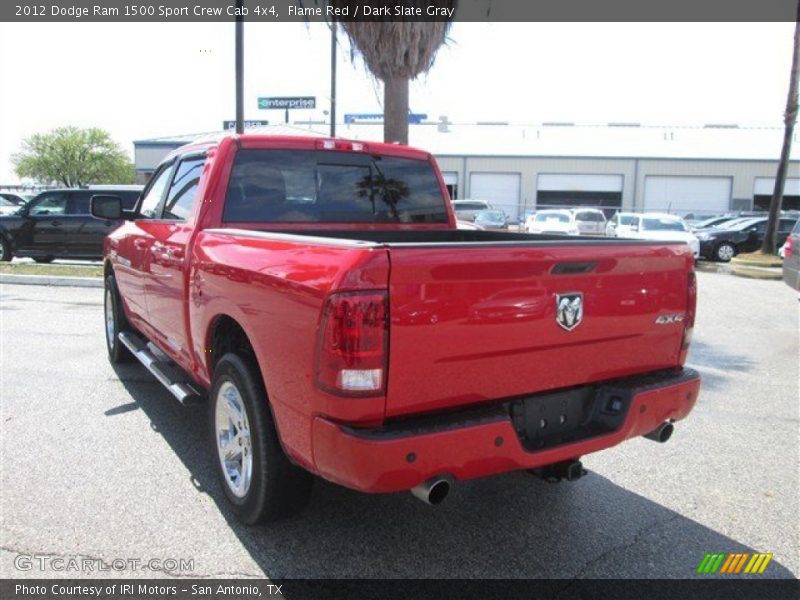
[[791, 257], [11, 202], [657, 226], [747, 235], [492, 219], [590, 221], [555, 221], [467, 210], [58, 224], [468, 225], [620, 224], [350, 335], [712, 222]]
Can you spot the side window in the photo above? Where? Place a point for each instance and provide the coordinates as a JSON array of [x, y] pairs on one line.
[[148, 209], [785, 225], [760, 227], [50, 204], [182, 192], [78, 203]]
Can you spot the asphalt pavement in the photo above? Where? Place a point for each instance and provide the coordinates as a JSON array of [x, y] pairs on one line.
[[102, 463]]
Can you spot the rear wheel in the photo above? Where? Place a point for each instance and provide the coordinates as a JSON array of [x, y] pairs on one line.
[[725, 252], [115, 322], [258, 479], [5, 251]]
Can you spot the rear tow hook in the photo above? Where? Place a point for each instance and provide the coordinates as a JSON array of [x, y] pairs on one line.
[[567, 470]]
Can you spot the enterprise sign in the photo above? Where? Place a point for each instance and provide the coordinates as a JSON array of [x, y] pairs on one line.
[[292, 102]]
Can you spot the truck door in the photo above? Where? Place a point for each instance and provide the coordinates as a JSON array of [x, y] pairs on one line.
[[166, 277], [134, 251], [42, 234]]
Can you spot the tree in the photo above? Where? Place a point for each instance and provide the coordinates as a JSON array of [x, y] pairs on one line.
[[73, 157], [789, 120], [397, 52]]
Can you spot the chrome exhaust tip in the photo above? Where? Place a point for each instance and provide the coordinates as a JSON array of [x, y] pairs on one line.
[[433, 492], [661, 433]]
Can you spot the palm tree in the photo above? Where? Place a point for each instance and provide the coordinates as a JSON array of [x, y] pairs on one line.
[[397, 52], [789, 120]]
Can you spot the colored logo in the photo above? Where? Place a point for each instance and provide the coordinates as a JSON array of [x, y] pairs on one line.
[[734, 563]]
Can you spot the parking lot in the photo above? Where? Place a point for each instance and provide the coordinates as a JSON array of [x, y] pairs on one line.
[[99, 462]]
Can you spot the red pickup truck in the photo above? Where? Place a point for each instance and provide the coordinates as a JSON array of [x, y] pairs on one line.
[[319, 295]]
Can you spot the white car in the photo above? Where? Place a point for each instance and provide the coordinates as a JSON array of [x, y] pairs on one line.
[[590, 221], [656, 227], [552, 221]]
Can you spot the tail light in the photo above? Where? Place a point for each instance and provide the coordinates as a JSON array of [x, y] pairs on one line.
[[691, 310], [787, 249], [352, 348], [341, 145]]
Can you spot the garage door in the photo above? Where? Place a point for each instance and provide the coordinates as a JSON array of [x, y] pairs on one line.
[[684, 195], [764, 186], [556, 190], [451, 181], [501, 190]]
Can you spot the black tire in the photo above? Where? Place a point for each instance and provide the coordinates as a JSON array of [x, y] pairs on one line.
[[117, 352], [724, 252], [5, 250], [277, 488], [44, 259]]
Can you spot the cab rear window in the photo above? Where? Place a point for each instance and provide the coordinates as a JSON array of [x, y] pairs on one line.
[[289, 186]]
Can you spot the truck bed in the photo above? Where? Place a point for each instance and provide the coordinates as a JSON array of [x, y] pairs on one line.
[[473, 313]]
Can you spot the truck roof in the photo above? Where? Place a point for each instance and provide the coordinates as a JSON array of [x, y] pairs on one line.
[[251, 140]]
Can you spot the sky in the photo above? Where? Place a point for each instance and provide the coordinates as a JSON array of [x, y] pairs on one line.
[[140, 80]]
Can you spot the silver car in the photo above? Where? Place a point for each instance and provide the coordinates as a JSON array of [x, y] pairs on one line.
[[467, 210], [791, 258], [590, 221]]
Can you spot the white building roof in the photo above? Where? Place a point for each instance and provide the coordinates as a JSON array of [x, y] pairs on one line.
[[720, 142]]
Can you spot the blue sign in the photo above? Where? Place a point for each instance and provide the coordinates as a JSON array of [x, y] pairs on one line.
[[413, 118]]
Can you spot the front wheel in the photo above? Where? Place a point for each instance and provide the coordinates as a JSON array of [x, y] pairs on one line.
[[44, 259], [725, 252], [115, 322], [258, 479], [5, 251]]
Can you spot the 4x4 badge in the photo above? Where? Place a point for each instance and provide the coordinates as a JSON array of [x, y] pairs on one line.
[[569, 310]]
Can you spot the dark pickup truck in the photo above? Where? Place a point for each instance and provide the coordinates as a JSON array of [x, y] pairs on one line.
[[317, 294]]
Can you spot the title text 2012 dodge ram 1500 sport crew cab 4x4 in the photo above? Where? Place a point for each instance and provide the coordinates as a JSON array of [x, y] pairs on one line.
[[318, 294]]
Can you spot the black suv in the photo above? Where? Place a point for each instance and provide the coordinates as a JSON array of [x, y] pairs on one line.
[[57, 224]]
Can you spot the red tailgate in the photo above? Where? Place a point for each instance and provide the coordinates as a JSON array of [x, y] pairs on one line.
[[470, 324]]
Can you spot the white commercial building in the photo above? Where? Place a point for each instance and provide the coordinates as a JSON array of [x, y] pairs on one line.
[[699, 170]]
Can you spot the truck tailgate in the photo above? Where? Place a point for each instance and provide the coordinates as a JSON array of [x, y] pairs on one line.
[[476, 323]]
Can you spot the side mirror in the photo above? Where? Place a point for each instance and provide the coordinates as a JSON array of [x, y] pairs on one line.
[[106, 207]]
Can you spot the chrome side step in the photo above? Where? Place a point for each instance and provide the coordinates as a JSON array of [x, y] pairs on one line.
[[165, 372]]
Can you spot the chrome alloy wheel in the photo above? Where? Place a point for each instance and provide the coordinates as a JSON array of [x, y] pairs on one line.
[[109, 310], [725, 252], [234, 448]]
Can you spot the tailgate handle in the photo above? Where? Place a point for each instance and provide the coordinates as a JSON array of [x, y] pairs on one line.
[[573, 268]]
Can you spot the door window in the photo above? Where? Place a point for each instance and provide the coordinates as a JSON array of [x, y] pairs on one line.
[[51, 204], [148, 209], [78, 204], [182, 192]]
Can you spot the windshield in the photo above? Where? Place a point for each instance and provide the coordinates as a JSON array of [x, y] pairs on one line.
[[662, 224], [489, 215], [5, 202], [627, 220], [741, 224], [543, 217], [286, 186]]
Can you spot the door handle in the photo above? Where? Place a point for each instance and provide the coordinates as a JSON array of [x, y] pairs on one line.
[[55, 222]]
